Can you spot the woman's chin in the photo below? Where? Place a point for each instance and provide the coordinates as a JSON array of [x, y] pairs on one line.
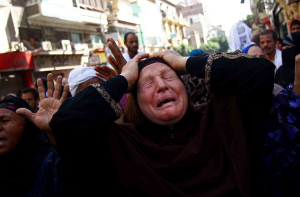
[[168, 117]]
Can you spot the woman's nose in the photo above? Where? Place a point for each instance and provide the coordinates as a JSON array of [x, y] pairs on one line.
[[161, 85]]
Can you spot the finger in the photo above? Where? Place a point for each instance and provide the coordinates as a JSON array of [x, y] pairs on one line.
[[116, 51], [57, 91], [158, 54], [41, 89], [97, 68], [26, 113], [113, 62], [103, 76], [50, 85], [64, 82], [65, 94], [141, 56]]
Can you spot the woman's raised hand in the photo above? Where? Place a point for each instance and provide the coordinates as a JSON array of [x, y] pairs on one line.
[[48, 105], [131, 70], [105, 72], [173, 58]]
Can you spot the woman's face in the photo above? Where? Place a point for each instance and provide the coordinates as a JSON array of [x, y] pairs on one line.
[[11, 129], [161, 95], [257, 52]]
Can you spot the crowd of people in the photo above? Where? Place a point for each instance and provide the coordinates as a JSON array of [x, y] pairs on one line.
[[219, 124]]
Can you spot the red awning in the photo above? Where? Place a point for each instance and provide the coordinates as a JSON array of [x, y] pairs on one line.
[[16, 61]]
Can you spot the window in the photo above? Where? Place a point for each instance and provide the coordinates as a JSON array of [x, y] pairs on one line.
[[32, 37], [76, 37], [92, 3], [74, 3], [95, 39]]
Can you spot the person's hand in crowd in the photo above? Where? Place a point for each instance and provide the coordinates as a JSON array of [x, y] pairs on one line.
[[118, 61], [131, 70], [48, 105], [173, 58], [297, 75], [64, 82], [105, 72]]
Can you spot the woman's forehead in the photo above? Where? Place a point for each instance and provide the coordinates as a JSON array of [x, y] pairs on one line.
[[154, 69], [6, 112]]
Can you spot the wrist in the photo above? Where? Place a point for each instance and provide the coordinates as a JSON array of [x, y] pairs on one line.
[[182, 65], [129, 79]]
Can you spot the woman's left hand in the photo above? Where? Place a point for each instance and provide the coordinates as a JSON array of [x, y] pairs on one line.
[[176, 61]]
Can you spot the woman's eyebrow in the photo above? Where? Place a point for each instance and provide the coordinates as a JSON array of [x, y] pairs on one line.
[[5, 116]]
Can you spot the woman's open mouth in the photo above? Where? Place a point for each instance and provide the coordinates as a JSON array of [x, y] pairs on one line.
[[165, 102]]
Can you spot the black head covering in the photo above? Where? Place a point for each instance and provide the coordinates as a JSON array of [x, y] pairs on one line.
[[286, 73], [19, 168], [147, 62], [152, 60], [141, 66]]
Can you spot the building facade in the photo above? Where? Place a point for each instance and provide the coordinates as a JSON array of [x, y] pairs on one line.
[[58, 36], [197, 31], [174, 24]]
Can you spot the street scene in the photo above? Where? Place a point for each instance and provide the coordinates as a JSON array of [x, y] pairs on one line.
[[150, 98]]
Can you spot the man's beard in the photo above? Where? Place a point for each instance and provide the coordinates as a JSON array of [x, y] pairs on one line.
[[135, 50]]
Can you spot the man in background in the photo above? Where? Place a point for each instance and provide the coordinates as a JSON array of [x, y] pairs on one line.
[[132, 43], [295, 25], [31, 96], [268, 41]]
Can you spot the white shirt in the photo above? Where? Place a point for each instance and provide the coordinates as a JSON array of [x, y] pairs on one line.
[[127, 56], [277, 60]]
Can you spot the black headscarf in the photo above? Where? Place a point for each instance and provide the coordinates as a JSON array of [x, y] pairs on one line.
[[132, 112], [19, 168], [286, 73]]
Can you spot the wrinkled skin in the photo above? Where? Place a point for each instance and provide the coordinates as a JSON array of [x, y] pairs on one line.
[[11, 129], [161, 95]]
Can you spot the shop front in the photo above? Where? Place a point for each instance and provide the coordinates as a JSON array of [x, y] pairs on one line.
[[15, 72], [57, 62]]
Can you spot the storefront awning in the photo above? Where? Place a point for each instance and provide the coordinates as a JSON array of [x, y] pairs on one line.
[[16, 61]]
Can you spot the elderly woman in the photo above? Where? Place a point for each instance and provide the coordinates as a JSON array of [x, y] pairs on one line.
[[167, 148], [29, 163]]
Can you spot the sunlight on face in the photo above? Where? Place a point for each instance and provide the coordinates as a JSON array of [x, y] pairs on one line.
[[11, 129]]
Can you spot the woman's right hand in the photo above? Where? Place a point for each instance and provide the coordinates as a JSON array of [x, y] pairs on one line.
[[131, 70], [48, 105]]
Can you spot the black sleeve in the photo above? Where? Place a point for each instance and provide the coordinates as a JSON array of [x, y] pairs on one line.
[[250, 81], [232, 73], [80, 128], [196, 66]]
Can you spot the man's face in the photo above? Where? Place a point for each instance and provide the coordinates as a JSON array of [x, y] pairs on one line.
[[161, 95], [132, 43], [278, 45], [268, 43], [295, 28], [257, 52], [11, 129], [29, 98]]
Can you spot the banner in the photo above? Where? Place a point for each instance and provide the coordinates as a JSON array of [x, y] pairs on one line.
[[16, 61]]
